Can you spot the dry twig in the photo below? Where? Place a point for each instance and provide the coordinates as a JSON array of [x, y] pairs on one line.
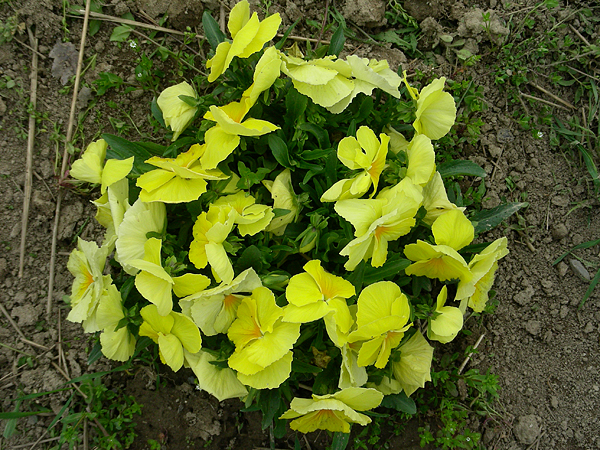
[[462, 366], [65, 157], [30, 142], [555, 97], [531, 97]]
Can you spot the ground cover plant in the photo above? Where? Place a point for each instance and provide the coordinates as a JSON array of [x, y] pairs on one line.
[[299, 220]]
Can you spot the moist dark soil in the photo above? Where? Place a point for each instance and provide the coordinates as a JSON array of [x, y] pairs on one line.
[[541, 343]]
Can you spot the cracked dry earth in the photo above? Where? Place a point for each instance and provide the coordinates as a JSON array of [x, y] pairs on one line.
[[541, 344]]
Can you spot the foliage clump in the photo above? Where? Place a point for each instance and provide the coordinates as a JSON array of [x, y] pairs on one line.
[[295, 233]]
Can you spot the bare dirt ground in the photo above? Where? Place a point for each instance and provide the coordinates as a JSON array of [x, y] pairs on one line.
[[541, 344]]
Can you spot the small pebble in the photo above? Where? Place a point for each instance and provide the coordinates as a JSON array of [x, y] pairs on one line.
[[589, 328], [579, 270], [562, 268], [559, 231], [533, 327]]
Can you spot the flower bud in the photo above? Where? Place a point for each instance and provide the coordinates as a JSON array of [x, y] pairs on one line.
[[177, 113]]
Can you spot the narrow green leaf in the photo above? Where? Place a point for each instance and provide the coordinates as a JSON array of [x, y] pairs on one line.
[[95, 354], [11, 424], [400, 402], [488, 219], [280, 150], [389, 269], [317, 132], [19, 414], [295, 105], [213, 33], [302, 367], [337, 42], [157, 113], [340, 441], [280, 43], [456, 168], [587, 244], [590, 289]]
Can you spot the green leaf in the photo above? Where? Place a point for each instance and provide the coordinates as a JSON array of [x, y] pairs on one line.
[[11, 424], [280, 150], [400, 402], [19, 414], [295, 105], [94, 26], [107, 80], [269, 401], [317, 132], [488, 219], [250, 257], [302, 367], [120, 33], [96, 353], [280, 43], [587, 244], [119, 148], [188, 100], [213, 33], [389, 269], [590, 289], [337, 42], [340, 441], [157, 113], [456, 168]]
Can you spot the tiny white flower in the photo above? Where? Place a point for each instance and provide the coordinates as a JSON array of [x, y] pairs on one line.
[[132, 44], [139, 75], [540, 134]]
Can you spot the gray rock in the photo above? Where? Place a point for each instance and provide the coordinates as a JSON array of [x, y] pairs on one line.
[[369, 13], [560, 200], [562, 268], [579, 270], [559, 231], [533, 327], [527, 429], [65, 57], [524, 297]]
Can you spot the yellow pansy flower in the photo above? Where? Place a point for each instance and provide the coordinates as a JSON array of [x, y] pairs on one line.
[[250, 217], [376, 222], [451, 232], [153, 281], [351, 374], [381, 320], [210, 231], [449, 320], [92, 168], [413, 368], [483, 266], [435, 199], [284, 197], [219, 382], [333, 412], [224, 137], [326, 81], [178, 180], [249, 36], [112, 206], [368, 75], [177, 113], [421, 160], [214, 310], [315, 294], [86, 263], [262, 341], [139, 220], [436, 110], [366, 153], [173, 333], [118, 345], [267, 70]]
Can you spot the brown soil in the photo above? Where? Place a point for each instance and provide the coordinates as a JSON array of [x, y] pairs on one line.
[[540, 343]]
